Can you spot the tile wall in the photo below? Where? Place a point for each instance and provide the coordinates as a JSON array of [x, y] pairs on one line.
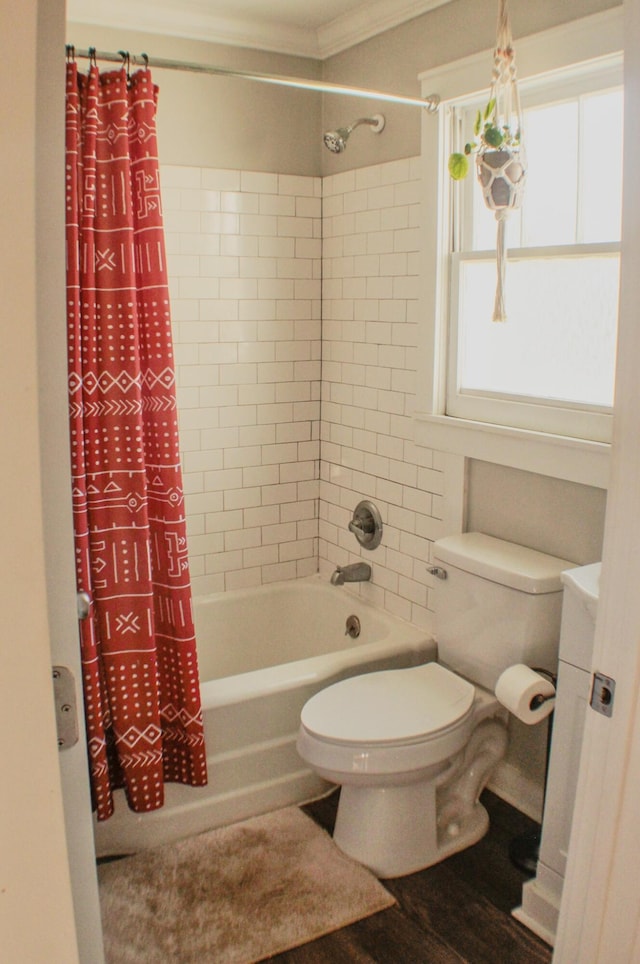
[[270, 487], [371, 267], [244, 260]]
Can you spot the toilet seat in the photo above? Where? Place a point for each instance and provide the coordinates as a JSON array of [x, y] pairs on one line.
[[390, 708]]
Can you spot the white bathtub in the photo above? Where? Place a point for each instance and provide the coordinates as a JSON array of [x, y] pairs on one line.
[[262, 653]]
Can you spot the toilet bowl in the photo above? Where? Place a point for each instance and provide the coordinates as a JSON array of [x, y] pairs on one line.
[[412, 749]]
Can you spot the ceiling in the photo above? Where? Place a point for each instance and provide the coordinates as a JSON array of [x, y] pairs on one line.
[[306, 28]]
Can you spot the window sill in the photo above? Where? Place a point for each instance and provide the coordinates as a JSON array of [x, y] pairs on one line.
[[575, 460]]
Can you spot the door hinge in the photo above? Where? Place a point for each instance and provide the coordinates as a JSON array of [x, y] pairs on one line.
[[64, 694], [602, 692]]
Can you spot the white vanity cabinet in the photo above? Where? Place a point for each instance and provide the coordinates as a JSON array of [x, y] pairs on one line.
[[541, 896]]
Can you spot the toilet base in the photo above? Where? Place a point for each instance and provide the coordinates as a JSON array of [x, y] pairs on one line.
[[392, 830]]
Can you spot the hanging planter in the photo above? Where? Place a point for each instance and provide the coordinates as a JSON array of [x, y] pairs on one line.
[[498, 147]]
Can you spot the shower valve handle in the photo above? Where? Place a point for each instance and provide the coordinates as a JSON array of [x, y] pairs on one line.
[[358, 527]]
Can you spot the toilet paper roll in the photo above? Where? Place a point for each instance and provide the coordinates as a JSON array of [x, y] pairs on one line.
[[525, 693]]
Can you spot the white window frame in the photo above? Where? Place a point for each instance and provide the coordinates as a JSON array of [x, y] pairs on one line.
[[560, 49], [521, 411], [536, 413]]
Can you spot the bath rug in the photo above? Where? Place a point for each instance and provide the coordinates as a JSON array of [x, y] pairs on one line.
[[234, 895]]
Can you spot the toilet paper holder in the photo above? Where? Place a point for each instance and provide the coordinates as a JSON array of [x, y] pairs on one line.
[[540, 698], [526, 691], [537, 701]]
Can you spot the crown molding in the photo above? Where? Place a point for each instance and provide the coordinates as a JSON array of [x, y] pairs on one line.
[[195, 23], [367, 21], [171, 19]]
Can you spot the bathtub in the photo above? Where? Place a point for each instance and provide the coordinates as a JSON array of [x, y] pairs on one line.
[[262, 653]]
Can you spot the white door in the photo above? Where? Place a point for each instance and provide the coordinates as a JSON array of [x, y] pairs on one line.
[[57, 522], [600, 913], [41, 908]]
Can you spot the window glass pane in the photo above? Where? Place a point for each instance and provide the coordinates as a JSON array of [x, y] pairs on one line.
[[601, 167], [549, 212], [550, 204], [559, 340]]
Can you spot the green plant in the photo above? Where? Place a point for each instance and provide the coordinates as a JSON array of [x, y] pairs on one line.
[[487, 134]]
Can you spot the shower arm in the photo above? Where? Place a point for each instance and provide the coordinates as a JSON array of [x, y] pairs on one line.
[[362, 120], [377, 123]]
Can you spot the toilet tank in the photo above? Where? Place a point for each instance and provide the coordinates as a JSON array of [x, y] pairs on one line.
[[499, 604]]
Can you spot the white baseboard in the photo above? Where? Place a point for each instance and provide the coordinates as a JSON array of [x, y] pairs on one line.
[[540, 908], [524, 794]]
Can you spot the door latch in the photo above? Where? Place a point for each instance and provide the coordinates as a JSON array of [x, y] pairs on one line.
[[437, 571], [64, 694], [602, 693]]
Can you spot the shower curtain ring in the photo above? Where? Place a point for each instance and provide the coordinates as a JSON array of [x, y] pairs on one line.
[[126, 62], [93, 60], [71, 53], [145, 57]]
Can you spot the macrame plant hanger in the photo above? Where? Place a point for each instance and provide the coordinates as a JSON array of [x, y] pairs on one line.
[[501, 165]]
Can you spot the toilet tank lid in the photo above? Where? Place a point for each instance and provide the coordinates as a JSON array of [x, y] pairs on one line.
[[506, 563]]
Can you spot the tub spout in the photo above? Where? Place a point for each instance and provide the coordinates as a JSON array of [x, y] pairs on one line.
[[356, 572]]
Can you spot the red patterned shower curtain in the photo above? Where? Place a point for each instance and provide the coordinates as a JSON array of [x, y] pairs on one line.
[[140, 675]]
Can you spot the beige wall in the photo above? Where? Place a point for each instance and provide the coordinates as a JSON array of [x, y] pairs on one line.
[[221, 122], [562, 518], [392, 61]]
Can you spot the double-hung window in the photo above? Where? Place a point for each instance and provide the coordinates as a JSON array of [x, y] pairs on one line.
[[550, 367]]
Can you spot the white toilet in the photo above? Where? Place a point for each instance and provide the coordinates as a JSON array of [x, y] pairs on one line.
[[413, 748]]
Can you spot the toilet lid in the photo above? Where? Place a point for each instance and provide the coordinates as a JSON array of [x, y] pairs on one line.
[[398, 705]]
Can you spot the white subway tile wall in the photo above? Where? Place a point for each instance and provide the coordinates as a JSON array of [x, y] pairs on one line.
[[244, 262], [371, 254], [271, 479]]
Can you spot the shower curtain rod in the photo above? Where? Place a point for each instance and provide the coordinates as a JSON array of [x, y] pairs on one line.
[[430, 103]]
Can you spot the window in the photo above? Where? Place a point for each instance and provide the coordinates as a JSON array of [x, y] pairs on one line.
[[550, 367]]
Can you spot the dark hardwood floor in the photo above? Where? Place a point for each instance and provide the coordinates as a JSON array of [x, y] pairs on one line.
[[457, 911]]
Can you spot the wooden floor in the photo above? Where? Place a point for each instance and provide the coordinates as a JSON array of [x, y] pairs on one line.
[[457, 911]]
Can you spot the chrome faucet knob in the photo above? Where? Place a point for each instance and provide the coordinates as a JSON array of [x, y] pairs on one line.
[[366, 525]]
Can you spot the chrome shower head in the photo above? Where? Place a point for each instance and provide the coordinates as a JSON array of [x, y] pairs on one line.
[[336, 141]]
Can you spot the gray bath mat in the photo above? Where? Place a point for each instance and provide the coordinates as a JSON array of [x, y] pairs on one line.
[[234, 895]]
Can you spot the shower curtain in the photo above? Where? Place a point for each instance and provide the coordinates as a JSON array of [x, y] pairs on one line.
[[140, 675]]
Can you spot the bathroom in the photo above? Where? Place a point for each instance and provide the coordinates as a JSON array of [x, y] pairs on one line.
[[366, 422], [296, 278]]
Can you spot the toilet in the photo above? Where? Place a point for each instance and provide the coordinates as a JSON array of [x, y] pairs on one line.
[[412, 749]]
